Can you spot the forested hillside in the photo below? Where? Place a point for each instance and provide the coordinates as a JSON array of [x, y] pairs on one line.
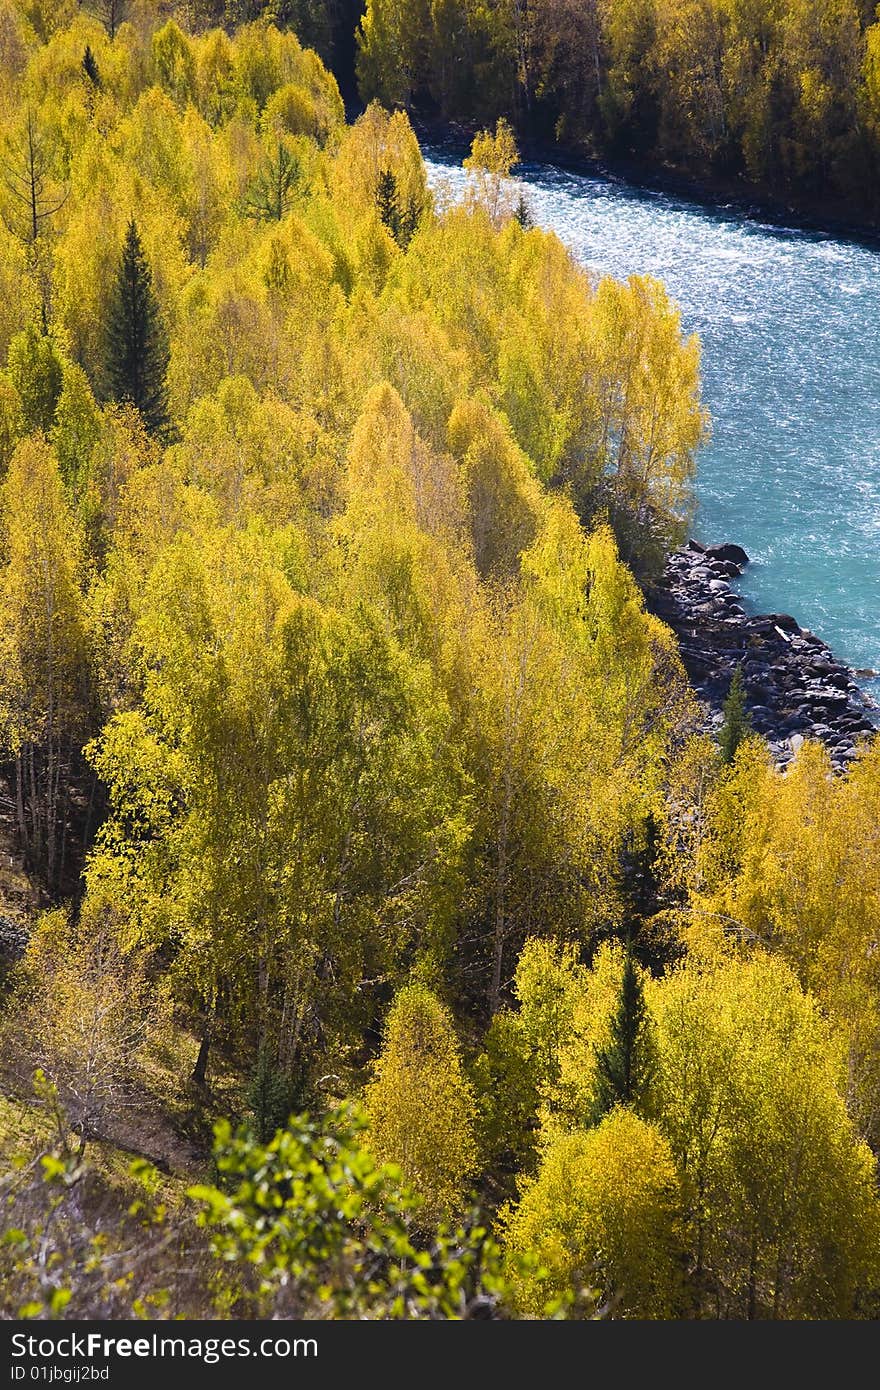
[[353, 781], [783, 95]]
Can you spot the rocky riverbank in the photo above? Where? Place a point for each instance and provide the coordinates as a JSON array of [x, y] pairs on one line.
[[795, 687]]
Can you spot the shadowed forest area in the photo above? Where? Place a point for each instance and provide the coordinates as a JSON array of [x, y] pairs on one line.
[[775, 97]]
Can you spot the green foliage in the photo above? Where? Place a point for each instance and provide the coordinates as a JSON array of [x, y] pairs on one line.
[[779, 1192], [174, 61], [400, 216], [785, 94], [792, 863], [352, 676], [11, 422], [506, 1081], [46, 696], [78, 430], [323, 1225], [624, 1063], [271, 1097], [272, 190], [523, 214], [36, 371], [736, 725], [137, 348], [747, 1100], [602, 1219]]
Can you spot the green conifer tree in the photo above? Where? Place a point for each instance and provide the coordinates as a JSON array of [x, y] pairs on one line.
[[523, 214], [90, 67], [273, 187], [386, 199], [137, 345], [737, 724], [400, 216], [623, 1066], [270, 1097]]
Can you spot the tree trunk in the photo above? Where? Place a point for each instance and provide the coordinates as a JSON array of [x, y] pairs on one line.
[[200, 1070], [52, 775], [19, 802], [37, 840], [500, 919], [64, 812]]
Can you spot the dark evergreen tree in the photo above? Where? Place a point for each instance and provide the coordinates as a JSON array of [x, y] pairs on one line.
[[523, 214], [386, 199], [399, 215], [270, 1096], [737, 724], [643, 897], [137, 345], [638, 874], [623, 1066], [90, 67]]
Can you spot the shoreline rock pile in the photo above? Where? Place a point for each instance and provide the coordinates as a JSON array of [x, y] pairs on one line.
[[795, 687]]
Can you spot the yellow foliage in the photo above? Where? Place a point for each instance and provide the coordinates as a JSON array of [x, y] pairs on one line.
[[603, 1215], [420, 1105], [492, 156], [780, 1192], [793, 863]]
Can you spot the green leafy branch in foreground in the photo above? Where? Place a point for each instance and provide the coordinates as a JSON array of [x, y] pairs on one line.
[[319, 1219], [307, 1225]]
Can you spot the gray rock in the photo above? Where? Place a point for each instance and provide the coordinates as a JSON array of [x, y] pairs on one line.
[[785, 621], [795, 687], [733, 553]]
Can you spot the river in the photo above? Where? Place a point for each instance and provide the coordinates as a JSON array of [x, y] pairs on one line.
[[790, 329]]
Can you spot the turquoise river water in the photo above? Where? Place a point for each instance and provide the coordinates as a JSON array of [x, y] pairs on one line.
[[790, 330]]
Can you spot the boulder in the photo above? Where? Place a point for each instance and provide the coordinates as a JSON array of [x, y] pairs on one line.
[[834, 699], [785, 621], [760, 695], [734, 553]]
